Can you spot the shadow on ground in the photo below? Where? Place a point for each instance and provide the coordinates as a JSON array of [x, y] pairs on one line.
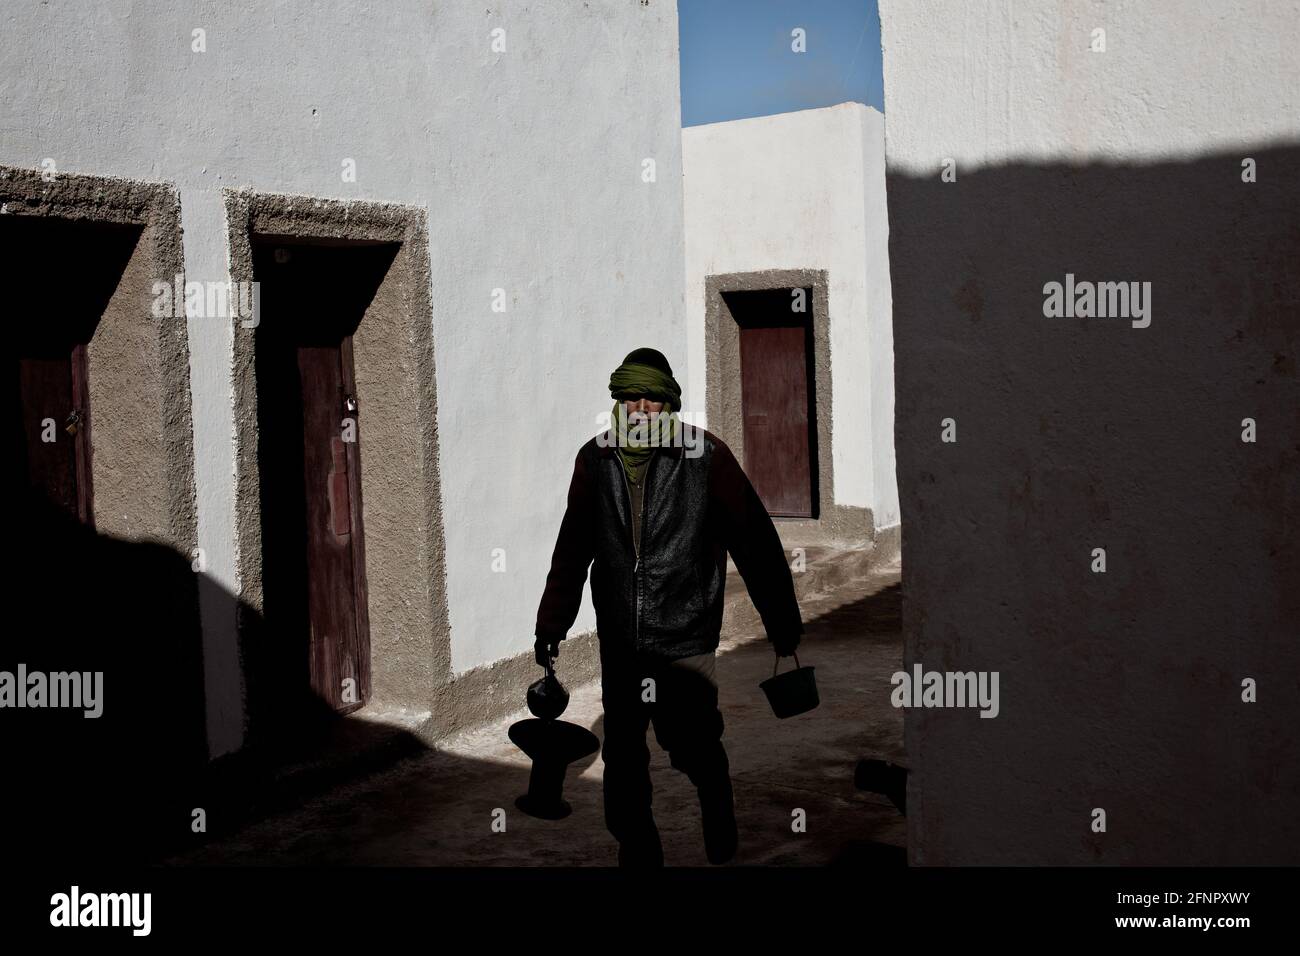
[[125, 786], [436, 807]]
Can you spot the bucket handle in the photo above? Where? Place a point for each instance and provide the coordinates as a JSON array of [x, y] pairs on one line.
[[778, 661]]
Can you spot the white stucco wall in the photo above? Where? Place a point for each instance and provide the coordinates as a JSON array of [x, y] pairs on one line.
[[805, 190], [529, 163], [1120, 691], [989, 81], [880, 322]]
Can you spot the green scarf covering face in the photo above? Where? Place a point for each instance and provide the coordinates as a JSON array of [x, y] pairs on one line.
[[632, 380]]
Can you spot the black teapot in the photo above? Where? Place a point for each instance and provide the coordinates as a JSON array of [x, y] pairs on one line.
[[552, 744], [547, 697]]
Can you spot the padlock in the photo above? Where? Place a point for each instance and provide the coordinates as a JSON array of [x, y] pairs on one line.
[[73, 424]]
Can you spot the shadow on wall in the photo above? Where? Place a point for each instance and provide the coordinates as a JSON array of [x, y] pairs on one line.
[[83, 603], [123, 785], [1120, 691]]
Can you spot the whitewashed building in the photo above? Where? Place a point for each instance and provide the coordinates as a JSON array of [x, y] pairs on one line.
[[458, 230], [789, 315]]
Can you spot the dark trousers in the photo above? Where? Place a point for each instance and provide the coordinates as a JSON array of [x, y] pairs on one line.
[[687, 724]]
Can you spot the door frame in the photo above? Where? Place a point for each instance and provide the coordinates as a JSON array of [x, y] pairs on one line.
[[398, 484], [135, 380], [833, 523]]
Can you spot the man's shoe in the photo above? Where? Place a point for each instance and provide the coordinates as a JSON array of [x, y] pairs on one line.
[[718, 813]]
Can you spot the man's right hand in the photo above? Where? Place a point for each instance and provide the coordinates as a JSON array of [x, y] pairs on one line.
[[546, 651], [784, 644]]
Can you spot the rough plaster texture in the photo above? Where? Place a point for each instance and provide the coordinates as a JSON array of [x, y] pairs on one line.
[[1122, 690], [142, 465], [530, 165], [804, 191], [393, 362], [831, 522]]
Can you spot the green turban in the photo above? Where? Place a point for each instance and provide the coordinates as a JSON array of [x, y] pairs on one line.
[[644, 372]]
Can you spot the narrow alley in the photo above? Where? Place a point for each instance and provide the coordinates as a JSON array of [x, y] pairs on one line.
[[435, 808]]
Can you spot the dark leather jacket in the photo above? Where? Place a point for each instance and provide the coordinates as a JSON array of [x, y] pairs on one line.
[[665, 601]]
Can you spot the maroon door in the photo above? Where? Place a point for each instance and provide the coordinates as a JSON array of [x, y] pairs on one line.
[[340, 644], [309, 459], [59, 277], [775, 376], [54, 420]]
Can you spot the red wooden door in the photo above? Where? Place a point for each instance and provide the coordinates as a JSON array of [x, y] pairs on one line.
[[61, 274], [54, 421], [774, 373], [309, 458], [336, 650]]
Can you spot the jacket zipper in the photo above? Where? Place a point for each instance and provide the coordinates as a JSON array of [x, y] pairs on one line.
[[636, 552], [636, 568]]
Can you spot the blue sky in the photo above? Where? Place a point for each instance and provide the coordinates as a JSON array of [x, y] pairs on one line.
[[736, 58]]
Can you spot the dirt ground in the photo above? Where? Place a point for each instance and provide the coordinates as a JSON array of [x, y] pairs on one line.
[[436, 808]]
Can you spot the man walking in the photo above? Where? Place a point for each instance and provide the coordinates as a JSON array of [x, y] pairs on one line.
[[654, 506]]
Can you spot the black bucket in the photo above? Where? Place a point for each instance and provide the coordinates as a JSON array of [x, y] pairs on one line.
[[792, 693]]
